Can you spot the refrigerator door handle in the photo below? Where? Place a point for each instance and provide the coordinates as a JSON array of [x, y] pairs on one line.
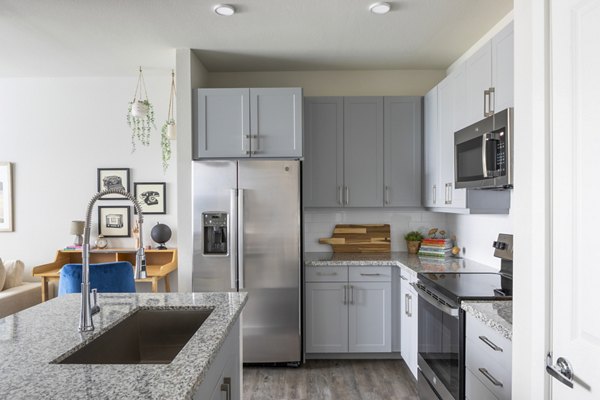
[[240, 236], [233, 233]]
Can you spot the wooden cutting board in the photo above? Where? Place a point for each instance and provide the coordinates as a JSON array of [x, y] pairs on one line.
[[370, 238]]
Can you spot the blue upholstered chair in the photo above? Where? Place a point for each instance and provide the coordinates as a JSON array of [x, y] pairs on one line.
[[112, 277]]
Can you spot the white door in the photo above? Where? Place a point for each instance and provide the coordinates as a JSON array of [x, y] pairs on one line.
[[409, 326], [575, 84]]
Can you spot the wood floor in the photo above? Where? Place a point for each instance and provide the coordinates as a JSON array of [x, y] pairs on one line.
[[332, 380]]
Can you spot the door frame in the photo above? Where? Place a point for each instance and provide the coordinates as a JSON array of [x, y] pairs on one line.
[[532, 202]]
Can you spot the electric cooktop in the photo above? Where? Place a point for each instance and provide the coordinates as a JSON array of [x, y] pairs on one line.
[[459, 286]]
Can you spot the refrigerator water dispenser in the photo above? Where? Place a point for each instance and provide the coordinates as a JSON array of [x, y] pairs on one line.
[[215, 233]]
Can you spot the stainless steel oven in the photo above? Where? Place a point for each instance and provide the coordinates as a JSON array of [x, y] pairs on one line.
[[483, 153], [440, 342]]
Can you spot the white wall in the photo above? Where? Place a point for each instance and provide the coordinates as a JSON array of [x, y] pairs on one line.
[[57, 132], [190, 74], [336, 83], [476, 233], [319, 223]]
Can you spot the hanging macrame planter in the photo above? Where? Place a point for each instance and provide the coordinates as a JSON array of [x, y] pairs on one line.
[[140, 115], [169, 128]]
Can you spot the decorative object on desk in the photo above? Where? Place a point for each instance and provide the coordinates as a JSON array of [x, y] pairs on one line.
[[6, 205], [140, 114], [114, 221], [169, 128], [370, 238], [113, 178], [101, 242], [413, 241], [77, 231], [161, 234], [152, 197]]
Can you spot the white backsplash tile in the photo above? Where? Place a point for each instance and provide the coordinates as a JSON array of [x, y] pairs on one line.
[[319, 223]]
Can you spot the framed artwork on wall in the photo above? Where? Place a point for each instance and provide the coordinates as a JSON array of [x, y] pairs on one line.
[[6, 203], [152, 197], [113, 178], [114, 221]]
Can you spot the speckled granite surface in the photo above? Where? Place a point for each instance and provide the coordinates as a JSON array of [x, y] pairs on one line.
[[495, 314], [32, 339], [411, 261]]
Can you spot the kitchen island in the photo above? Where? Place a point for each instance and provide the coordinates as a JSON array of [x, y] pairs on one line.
[[32, 341]]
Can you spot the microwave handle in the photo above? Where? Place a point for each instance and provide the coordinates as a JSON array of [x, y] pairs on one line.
[[484, 141]]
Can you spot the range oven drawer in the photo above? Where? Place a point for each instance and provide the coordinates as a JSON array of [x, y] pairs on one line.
[[424, 389]]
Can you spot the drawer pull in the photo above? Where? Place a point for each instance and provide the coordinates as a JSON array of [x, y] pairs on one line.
[[326, 273], [369, 274], [490, 343], [403, 277], [494, 381]]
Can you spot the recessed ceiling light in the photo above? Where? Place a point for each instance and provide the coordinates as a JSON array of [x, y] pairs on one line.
[[224, 9], [380, 8]]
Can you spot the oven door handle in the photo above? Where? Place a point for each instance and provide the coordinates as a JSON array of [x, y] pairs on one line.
[[453, 312]]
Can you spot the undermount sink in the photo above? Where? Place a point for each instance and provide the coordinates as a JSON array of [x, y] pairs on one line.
[[148, 336]]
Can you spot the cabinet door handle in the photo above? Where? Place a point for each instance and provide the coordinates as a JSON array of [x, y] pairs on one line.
[[347, 195], [490, 377], [226, 387], [409, 305], [486, 94], [491, 101], [406, 304], [450, 192], [403, 277], [340, 196], [490, 343], [351, 294], [370, 274], [326, 273], [434, 193], [345, 294], [387, 194]]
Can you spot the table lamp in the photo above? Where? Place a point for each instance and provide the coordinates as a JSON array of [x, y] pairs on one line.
[[77, 230]]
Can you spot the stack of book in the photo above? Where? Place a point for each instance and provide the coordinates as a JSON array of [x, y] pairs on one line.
[[436, 248]]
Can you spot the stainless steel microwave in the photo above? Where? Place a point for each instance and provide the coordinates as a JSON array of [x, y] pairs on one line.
[[483, 153]]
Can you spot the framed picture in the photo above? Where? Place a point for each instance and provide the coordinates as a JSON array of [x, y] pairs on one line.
[[113, 178], [114, 221], [152, 197], [6, 206]]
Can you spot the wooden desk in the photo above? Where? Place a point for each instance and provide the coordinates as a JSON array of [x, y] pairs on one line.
[[159, 264]]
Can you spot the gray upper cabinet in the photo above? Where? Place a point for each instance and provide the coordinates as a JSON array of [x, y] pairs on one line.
[[363, 151], [478, 80], [221, 123], [324, 156], [503, 68], [236, 123], [345, 164], [276, 122], [402, 146]]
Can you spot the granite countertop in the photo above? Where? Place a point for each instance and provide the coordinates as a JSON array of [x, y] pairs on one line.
[[30, 340], [495, 314], [400, 258]]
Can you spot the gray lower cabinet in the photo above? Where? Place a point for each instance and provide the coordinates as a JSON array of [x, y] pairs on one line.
[[247, 122], [362, 151], [348, 310], [223, 379], [488, 362]]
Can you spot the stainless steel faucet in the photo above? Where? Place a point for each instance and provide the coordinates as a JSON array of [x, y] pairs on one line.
[[86, 323]]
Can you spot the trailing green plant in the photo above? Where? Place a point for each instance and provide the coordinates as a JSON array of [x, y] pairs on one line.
[[140, 114], [165, 144], [141, 127], [413, 236]]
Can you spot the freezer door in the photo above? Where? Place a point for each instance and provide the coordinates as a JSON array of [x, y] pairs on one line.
[[214, 189], [269, 245]]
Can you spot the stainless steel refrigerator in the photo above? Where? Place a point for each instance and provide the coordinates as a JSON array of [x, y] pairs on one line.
[[247, 237]]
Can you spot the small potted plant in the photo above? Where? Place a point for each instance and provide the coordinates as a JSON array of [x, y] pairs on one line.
[[140, 114], [413, 241]]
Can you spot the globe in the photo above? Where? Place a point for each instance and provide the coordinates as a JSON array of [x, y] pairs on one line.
[[161, 234]]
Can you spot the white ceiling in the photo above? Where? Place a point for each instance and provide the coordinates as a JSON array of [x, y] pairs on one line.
[[112, 37]]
